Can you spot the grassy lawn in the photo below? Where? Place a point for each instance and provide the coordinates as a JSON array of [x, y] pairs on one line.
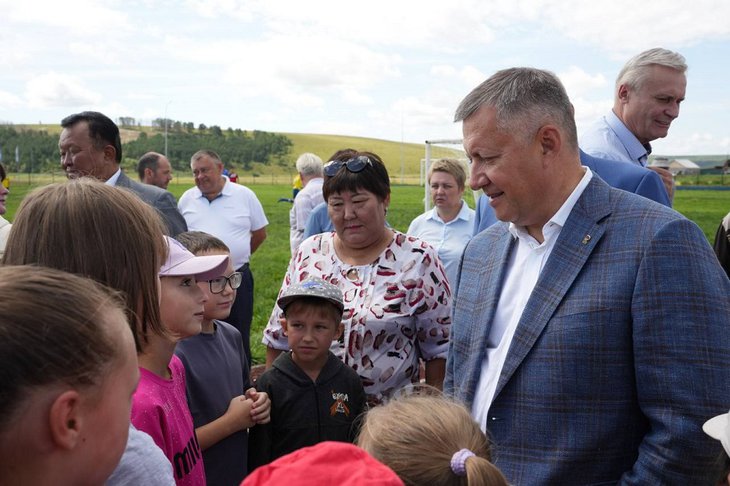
[[269, 263]]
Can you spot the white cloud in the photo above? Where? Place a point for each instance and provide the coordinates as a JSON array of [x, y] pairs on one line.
[[302, 72], [577, 82], [699, 143], [99, 53], [53, 90], [355, 97], [587, 112], [409, 23], [9, 100], [217, 8], [381, 68], [469, 75], [79, 17], [626, 27]]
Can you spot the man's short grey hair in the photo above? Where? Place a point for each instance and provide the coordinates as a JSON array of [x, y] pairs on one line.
[[206, 153], [309, 165], [636, 69], [524, 99]]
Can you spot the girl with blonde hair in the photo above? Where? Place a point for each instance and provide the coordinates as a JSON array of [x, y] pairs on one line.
[[429, 439]]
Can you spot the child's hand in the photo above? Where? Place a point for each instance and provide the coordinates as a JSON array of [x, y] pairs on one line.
[[261, 409], [239, 413]]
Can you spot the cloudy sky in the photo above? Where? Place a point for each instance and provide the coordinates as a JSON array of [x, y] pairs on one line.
[[385, 69]]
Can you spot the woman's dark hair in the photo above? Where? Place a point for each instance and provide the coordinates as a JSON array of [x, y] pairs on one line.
[[373, 178]]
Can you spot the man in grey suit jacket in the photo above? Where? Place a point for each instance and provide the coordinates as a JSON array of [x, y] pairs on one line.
[[590, 327], [90, 145]]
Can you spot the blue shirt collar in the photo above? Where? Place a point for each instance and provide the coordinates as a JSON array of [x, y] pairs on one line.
[[635, 148]]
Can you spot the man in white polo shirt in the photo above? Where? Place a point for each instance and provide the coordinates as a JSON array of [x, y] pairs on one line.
[[233, 213]]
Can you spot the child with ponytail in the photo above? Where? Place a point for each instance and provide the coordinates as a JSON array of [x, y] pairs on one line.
[[429, 439]]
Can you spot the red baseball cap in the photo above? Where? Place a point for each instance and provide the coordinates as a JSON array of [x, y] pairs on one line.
[[325, 464]]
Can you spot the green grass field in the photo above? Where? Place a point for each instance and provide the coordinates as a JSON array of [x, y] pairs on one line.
[[706, 208]]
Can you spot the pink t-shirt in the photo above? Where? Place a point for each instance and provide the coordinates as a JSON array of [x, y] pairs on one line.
[[159, 407]]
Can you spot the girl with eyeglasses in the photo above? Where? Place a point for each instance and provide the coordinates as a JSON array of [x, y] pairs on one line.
[[397, 300], [4, 223], [220, 396]]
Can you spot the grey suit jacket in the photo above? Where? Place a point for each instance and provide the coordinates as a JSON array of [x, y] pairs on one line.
[[621, 353], [161, 200]]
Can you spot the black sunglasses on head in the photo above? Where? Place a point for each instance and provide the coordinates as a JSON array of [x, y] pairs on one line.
[[355, 165]]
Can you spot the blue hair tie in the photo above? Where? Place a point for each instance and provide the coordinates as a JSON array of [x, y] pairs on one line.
[[458, 461]]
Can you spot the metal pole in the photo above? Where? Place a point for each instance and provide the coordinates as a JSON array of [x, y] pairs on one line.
[[165, 119], [426, 192]]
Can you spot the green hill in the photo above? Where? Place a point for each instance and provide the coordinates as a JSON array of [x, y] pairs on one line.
[[403, 160]]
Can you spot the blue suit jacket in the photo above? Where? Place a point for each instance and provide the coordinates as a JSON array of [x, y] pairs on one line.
[[620, 175], [161, 200], [621, 353]]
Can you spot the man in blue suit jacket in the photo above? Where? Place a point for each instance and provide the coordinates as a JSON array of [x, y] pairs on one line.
[[590, 328], [628, 177]]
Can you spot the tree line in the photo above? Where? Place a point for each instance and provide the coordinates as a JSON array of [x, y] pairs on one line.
[[37, 150]]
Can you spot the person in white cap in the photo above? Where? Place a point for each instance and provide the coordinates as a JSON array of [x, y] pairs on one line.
[[159, 406]]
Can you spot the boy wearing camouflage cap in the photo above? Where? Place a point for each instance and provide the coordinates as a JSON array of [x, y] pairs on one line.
[[314, 396]]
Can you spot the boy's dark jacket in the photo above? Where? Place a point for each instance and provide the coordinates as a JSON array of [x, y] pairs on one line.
[[304, 412]]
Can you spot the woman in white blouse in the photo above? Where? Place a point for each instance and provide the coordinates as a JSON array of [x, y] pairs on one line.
[[397, 301]]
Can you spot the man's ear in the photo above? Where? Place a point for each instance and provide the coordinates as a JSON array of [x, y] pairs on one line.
[[110, 154], [65, 419], [623, 93], [550, 139], [148, 174], [340, 330]]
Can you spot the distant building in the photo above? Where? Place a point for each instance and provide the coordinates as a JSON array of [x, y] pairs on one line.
[[683, 166]]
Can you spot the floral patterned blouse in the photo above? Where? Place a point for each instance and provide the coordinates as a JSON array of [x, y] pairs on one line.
[[397, 309]]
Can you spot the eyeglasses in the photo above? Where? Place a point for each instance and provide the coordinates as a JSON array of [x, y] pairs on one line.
[[6, 183], [355, 165], [218, 285]]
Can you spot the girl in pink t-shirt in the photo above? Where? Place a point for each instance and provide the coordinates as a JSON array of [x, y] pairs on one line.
[[159, 405]]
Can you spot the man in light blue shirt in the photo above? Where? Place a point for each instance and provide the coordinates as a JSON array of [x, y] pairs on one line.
[[609, 139], [649, 90], [318, 221]]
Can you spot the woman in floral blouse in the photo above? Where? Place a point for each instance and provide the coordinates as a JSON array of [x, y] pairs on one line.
[[397, 301]]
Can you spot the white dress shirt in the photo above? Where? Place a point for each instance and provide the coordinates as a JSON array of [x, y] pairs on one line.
[[523, 270]]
